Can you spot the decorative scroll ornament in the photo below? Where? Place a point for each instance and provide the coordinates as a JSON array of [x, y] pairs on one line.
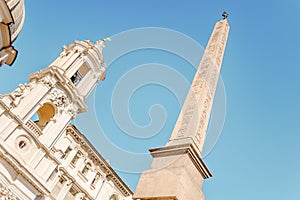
[[19, 93], [71, 110], [66, 50], [58, 98], [79, 196], [46, 81], [6, 194]]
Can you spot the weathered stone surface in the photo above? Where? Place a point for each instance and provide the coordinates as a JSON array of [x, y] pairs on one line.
[[177, 170]]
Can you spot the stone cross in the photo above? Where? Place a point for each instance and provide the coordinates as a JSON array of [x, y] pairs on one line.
[[225, 15]]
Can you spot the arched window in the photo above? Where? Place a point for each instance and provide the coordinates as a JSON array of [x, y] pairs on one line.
[[76, 158], [44, 114], [114, 197], [79, 74], [96, 179], [86, 169], [67, 152], [71, 194], [59, 186]]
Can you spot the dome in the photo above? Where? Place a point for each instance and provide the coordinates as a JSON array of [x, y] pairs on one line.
[[17, 10], [12, 14]]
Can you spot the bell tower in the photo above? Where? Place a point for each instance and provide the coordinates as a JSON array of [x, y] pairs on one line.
[[42, 155], [54, 95], [177, 170]]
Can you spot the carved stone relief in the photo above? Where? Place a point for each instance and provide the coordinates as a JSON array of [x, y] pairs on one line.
[[19, 93], [6, 194], [204, 117], [71, 110], [46, 81], [59, 98], [66, 50], [200, 97]]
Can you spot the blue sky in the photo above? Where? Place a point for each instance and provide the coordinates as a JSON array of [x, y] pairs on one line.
[[257, 154]]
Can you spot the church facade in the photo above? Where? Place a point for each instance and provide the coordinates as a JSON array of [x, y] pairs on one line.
[[43, 156]]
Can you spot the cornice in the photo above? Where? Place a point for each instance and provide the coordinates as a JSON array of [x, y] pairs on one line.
[[20, 169], [181, 149], [98, 159]]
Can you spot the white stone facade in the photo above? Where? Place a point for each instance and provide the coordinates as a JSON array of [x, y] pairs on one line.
[[43, 156]]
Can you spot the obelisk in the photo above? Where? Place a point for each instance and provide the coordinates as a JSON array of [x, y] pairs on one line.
[[177, 170]]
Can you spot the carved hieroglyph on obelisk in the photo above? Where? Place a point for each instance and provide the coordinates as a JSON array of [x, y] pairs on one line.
[[194, 116], [177, 170]]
